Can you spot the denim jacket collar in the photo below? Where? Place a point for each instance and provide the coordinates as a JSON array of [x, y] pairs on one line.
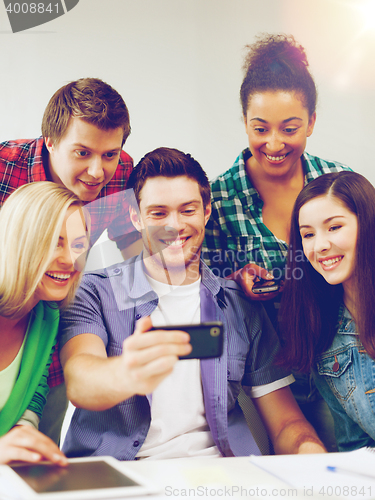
[[345, 325]]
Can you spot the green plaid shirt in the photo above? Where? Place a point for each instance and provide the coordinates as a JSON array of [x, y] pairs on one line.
[[235, 233]]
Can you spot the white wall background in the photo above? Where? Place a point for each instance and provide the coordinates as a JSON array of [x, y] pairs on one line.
[[177, 63]]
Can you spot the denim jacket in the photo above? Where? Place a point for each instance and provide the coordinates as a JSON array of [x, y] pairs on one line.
[[345, 377]]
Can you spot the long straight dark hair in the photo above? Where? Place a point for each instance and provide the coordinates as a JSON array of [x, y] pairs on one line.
[[309, 307]]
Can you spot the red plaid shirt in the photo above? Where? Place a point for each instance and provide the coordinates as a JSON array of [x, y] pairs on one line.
[[24, 161]]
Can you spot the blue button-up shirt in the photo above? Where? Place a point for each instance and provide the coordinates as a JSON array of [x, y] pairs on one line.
[[109, 302]]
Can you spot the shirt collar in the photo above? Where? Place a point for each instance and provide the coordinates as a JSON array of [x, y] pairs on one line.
[[38, 170], [243, 183], [209, 280], [246, 191], [135, 282]]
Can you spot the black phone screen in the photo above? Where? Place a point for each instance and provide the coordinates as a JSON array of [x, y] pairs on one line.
[[206, 338], [48, 478]]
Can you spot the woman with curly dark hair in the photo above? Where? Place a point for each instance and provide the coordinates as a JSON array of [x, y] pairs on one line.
[[248, 234]]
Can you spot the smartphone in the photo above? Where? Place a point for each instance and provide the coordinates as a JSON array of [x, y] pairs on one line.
[[266, 286], [205, 338]]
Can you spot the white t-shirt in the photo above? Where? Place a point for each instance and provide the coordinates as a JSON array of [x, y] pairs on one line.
[[178, 422]]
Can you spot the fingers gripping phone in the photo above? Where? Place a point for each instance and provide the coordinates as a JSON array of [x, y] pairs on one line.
[[266, 286], [206, 338]]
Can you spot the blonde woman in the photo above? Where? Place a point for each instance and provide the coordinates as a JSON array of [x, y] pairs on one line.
[[42, 233]]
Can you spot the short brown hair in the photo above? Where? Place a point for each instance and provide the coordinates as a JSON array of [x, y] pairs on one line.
[[91, 99], [167, 162]]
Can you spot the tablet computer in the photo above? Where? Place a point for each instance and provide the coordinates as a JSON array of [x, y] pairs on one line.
[[82, 479]]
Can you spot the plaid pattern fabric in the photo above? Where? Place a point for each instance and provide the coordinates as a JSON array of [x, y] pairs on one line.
[[235, 233], [25, 161]]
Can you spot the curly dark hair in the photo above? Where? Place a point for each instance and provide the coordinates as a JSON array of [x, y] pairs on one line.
[[277, 62]]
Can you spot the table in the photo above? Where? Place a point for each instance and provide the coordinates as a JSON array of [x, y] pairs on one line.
[[288, 476], [294, 477]]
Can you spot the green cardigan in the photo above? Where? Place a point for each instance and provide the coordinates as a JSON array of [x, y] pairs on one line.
[[31, 389]]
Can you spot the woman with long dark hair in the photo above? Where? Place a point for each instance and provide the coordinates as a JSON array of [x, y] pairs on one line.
[[327, 313]]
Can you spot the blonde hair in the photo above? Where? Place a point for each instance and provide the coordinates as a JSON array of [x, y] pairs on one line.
[[30, 225]]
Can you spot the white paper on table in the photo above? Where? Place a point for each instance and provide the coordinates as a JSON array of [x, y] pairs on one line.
[[309, 474]]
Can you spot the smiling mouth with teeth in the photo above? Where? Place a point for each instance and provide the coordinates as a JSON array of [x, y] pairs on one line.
[[176, 242], [59, 276], [91, 183], [330, 262], [275, 158]]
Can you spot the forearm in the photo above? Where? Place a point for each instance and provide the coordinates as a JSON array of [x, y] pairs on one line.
[[298, 436], [95, 383], [287, 427]]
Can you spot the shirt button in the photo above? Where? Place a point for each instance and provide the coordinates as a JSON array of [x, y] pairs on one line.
[[336, 365], [116, 271], [136, 443], [138, 316]]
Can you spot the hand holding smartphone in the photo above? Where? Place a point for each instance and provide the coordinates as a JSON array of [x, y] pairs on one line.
[[266, 286], [206, 338]]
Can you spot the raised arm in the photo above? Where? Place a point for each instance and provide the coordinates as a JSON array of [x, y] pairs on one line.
[[97, 382]]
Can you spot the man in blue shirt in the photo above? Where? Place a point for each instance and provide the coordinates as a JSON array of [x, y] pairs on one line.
[[135, 398]]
